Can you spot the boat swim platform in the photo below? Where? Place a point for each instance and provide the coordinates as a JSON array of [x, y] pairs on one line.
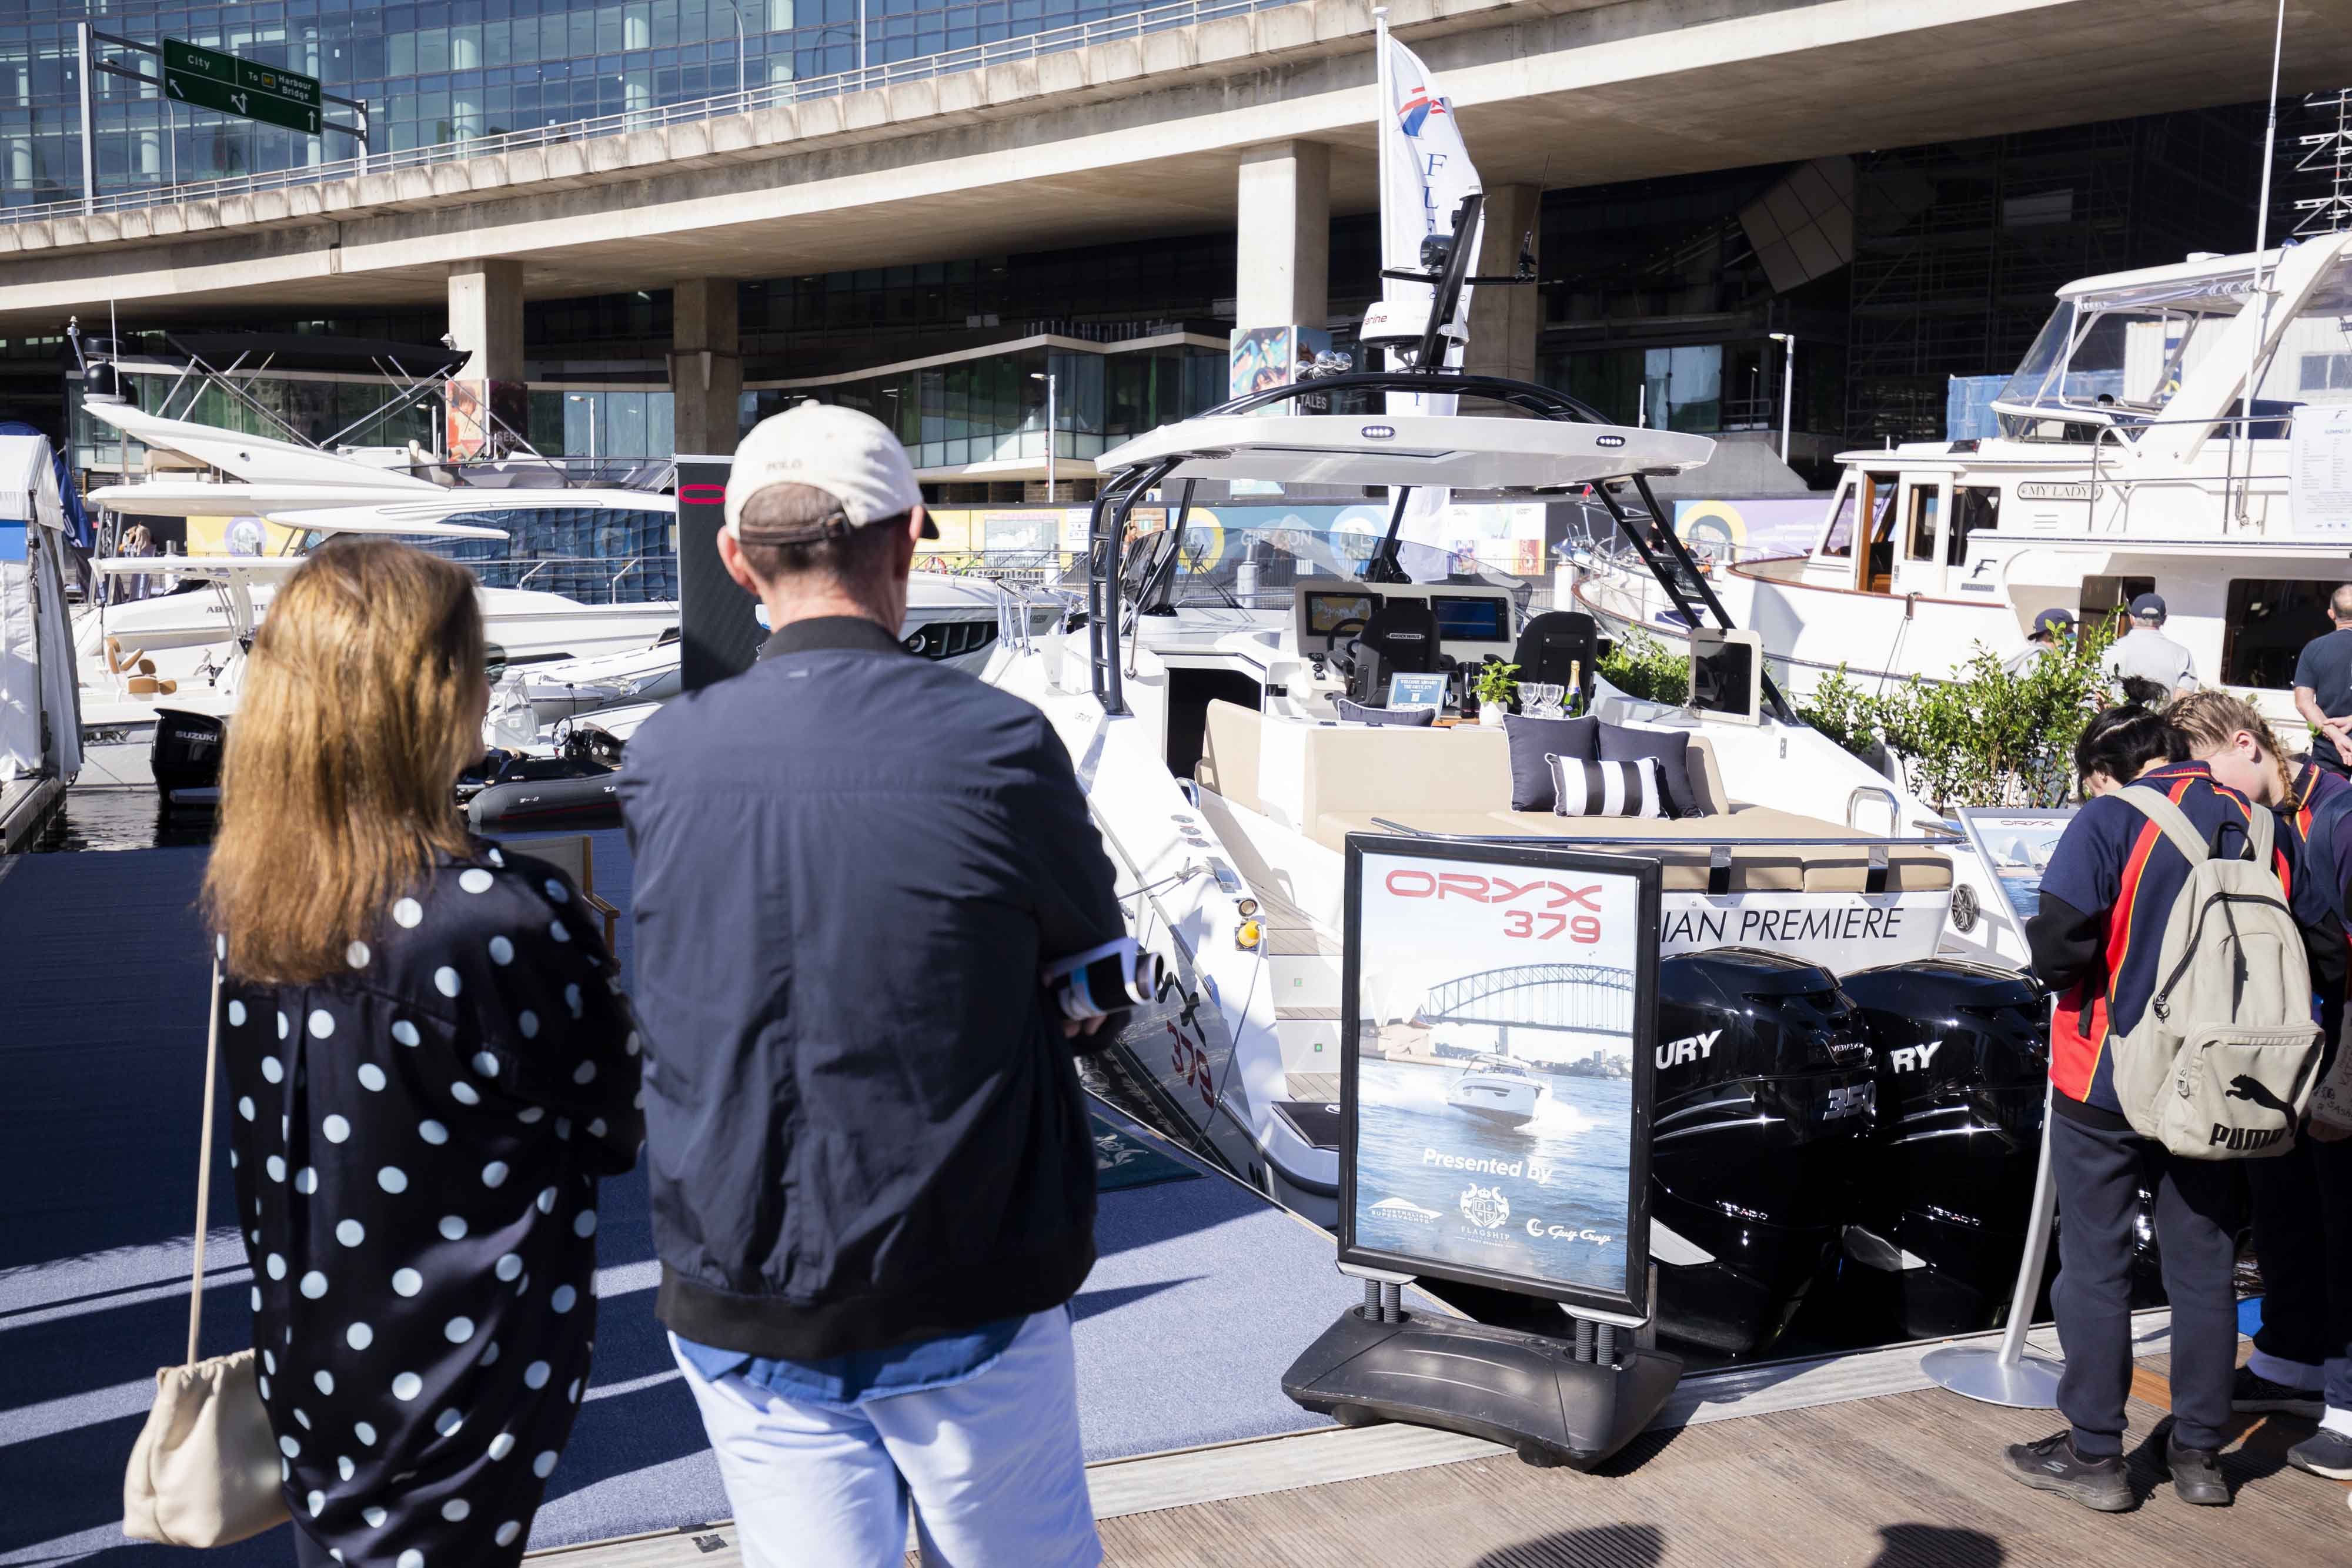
[[1203, 1293]]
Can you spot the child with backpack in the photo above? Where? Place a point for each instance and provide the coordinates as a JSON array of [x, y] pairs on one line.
[[2302, 1363], [2175, 1016]]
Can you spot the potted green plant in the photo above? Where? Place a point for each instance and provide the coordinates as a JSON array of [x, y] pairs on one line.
[[1493, 683]]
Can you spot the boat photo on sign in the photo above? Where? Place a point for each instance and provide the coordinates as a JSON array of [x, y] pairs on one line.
[[1495, 1080]]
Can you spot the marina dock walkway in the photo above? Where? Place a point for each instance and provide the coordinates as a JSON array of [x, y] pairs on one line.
[[1203, 1295]]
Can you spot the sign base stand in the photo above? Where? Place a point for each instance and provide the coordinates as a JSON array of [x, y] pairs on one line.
[[1528, 1392], [2026, 1383]]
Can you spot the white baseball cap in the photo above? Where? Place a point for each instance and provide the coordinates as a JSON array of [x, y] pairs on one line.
[[849, 455]]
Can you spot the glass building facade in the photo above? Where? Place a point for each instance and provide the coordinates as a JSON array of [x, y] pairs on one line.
[[441, 71]]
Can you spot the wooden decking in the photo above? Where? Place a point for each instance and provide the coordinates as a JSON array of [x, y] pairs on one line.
[[1905, 1479]]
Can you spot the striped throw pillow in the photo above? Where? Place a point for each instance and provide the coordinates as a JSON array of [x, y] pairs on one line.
[[1606, 789]]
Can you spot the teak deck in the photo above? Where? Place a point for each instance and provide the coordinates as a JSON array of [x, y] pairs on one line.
[[1906, 1479]]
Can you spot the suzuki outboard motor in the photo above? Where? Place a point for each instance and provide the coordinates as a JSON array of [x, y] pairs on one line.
[[185, 755], [1963, 1054], [1764, 1097]]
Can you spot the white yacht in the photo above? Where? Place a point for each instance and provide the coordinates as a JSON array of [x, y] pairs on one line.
[[40, 741], [1201, 711], [1497, 1091], [2130, 460], [182, 648]]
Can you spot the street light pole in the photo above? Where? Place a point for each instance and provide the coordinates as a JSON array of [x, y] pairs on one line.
[[591, 403], [1788, 341], [734, 11], [1047, 377]]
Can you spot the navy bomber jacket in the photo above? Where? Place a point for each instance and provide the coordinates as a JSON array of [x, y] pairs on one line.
[[863, 1128]]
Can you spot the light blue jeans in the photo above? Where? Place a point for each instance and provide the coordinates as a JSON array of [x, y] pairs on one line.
[[991, 1466]]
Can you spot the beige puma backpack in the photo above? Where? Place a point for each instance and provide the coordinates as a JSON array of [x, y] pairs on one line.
[[2223, 1064]]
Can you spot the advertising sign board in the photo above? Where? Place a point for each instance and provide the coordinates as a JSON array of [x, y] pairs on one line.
[[1497, 1023], [2015, 847]]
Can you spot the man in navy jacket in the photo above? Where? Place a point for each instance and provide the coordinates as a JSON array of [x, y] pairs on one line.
[[873, 1176]]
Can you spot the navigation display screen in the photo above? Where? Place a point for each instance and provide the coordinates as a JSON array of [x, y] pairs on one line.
[[1462, 619], [1495, 1057], [1327, 612]]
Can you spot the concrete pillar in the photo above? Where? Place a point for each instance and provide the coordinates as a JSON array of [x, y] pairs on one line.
[[486, 320], [1283, 254], [706, 365], [486, 317], [1505, 319]]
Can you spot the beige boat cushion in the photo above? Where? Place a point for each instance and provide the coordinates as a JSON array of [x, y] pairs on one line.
[[1458, 781], [1228, 754], [1351, 768]]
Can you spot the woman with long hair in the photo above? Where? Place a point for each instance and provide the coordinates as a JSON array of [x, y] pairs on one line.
[[430, 1069]]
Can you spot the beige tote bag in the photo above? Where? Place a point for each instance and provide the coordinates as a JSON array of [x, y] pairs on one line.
[[205, 1471]]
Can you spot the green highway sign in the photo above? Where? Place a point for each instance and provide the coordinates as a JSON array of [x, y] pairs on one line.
[[211, 80]]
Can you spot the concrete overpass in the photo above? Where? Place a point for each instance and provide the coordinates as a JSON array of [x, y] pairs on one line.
[[1166, 132]]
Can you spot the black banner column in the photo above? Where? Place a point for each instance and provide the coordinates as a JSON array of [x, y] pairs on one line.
[[719, 635]]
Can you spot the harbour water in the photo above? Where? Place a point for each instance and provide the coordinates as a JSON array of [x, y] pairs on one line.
[[1547, 1200]]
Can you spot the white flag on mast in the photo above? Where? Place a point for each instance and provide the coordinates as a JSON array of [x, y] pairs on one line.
[[1425, 170]]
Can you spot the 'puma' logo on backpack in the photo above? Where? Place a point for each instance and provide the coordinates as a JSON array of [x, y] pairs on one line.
[[2242, 1087]]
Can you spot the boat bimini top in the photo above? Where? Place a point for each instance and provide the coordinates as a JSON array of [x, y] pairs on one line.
[[1248, 439]]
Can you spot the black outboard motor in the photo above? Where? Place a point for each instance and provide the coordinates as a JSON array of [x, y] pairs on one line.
[[1963, 1054], [1764, 1113], [185, 755]]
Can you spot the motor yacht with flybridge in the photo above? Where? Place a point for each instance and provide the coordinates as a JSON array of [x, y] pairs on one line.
[[1222, 704], [2175, 430]]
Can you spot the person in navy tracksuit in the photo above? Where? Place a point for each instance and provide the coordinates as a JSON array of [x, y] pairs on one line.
[[2302, 1362], [2109, 890]]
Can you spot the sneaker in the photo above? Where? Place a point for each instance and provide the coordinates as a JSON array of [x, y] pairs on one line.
[[2197, 1475], [2052, 1465], [2255, 1393], [2326, 1452]]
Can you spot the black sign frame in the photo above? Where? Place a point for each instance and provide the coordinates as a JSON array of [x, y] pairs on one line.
[[718, 633], [1631, 1305]]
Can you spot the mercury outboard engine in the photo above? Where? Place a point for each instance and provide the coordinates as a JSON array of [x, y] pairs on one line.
[[1963, 1054], [1764, 1110]]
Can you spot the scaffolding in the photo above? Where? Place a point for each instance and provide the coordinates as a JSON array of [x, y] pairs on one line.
[[2323, 165], [1959, 248]]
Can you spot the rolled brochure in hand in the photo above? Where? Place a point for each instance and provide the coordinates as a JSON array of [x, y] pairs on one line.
[[1102, 981]]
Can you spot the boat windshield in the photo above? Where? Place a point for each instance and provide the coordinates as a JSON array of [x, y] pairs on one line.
[[2118, 360], [1496, 1067], [2120, 364], [1256, 567]]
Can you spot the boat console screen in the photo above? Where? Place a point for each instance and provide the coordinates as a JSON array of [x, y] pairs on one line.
[[1327, 612], [1495, 1058], [1462, 618]]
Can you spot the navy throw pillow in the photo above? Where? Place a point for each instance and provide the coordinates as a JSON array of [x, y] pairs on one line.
[[1402, 718], [1534, 743], [1672, 749]]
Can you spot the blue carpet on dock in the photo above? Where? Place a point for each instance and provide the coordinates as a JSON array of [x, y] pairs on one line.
[[1202, 1295]]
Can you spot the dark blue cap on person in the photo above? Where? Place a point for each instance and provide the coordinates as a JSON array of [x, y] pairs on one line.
[[2053, 622], [2148, 607]]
